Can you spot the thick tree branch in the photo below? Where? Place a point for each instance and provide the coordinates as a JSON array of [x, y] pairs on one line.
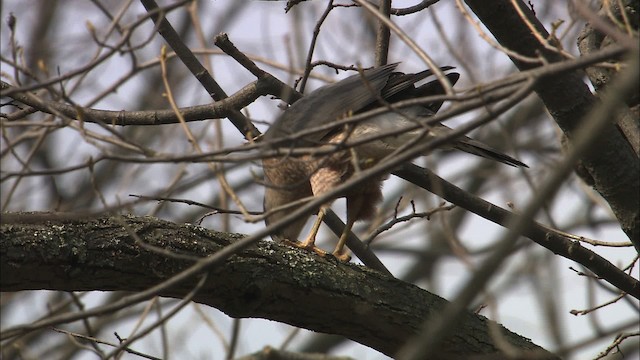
[[79, 253], [600, 33], [613, 165]]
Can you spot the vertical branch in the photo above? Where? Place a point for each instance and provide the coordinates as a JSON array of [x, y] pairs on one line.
[[312, 46], [383, 36]]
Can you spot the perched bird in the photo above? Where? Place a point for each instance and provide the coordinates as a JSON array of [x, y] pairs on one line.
[[290, 178]]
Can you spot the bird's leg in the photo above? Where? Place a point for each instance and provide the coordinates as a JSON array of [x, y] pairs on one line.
[[354, 206], [339, 250], [310, 242]]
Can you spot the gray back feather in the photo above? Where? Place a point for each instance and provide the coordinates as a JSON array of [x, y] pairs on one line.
[[328, 103]]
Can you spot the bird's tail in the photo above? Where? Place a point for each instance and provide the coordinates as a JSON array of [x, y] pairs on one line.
[[475, 147]]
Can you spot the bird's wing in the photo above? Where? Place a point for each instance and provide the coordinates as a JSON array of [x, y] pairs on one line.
[[435, 88], [429, 89], [399, 82], [329, 103]]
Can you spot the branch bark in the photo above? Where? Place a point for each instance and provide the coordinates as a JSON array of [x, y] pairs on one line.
[[271, 281]]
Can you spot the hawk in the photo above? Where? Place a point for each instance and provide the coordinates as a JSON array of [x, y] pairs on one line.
[[292, 178]]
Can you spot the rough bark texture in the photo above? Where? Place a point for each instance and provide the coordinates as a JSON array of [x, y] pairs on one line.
[[271, 281], [592, 40], [612, 165]]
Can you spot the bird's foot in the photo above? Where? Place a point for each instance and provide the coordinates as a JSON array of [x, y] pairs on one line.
[[344, 257], [306, 246], [310, 246]]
